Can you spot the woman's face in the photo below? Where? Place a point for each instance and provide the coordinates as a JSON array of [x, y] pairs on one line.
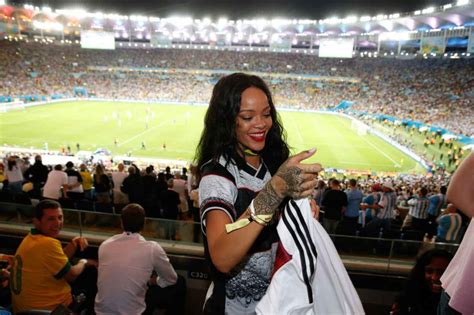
[[253, 120], [433, 272]]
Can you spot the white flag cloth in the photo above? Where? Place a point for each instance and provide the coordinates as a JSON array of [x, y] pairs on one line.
[[309, 276]]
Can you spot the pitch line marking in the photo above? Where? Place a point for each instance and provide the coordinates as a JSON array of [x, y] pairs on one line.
[[376, 148], [143, 132]]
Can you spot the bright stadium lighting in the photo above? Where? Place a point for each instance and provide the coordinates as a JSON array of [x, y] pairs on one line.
[[76, 12], [394, 36], [448, 6], [180, 21], [350, 19], [98, 15], [428, 10], [138, 18], [332, 21], [46, 9], [364, 18], [417, 12], [222, 21], [462, 2]]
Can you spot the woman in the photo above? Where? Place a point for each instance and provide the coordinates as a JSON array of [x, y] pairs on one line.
[[14, 176], [101, 185], [245, 175], [423, 289]]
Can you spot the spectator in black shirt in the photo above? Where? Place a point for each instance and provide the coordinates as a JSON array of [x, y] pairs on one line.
[[169, 203], [101, 185], [334, 204], [149, 200], [37, 174], [133, 185]]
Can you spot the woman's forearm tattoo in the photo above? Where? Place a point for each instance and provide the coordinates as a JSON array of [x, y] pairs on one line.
[[267, 201], [289, 183]]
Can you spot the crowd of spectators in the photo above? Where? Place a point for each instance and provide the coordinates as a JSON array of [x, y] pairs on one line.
[[434, 91], [349, 206]]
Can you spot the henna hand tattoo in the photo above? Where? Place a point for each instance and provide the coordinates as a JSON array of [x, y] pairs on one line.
[[267, 201], [287, 182]]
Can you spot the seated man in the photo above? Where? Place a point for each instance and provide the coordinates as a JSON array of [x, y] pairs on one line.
[[41, 268], [126, 264]]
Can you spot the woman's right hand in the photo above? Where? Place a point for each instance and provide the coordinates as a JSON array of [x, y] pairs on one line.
[[293, 179]]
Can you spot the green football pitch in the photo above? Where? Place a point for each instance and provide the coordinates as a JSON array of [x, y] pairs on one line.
[[172, 132]]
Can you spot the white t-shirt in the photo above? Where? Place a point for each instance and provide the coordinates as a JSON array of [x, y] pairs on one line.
[[126, 262], [117, 179], [457, 280], [52, 188], [14, 175]]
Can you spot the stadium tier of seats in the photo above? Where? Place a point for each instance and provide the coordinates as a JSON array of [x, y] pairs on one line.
[[434, 91]]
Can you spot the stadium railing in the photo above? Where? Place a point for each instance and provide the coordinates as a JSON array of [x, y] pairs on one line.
[[376, 255]]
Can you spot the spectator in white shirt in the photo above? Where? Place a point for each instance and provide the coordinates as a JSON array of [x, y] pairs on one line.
[[135, 275]]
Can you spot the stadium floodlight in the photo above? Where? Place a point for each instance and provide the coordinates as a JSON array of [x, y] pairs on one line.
[[417, 12], [394, 16], [75, 12], [138, 18], [395, 36], [462, 2], [365, 18], [428, 10], [447, 6], [48, 26], [222, 21], [350, 19], [332, 21], [97, 15], [46, 9]]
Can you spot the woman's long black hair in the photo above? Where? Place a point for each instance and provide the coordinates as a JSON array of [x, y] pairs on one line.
[[418, 298], [219, 138]]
